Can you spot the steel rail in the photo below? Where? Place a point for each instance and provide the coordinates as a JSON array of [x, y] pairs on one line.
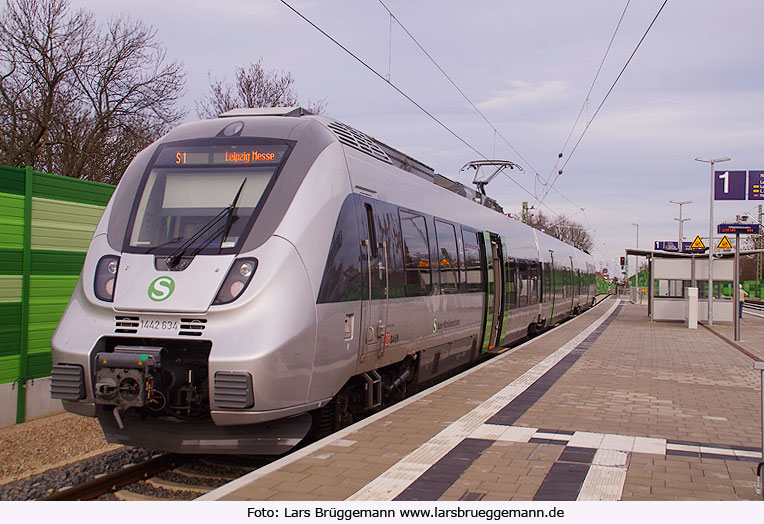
[[115, 481]]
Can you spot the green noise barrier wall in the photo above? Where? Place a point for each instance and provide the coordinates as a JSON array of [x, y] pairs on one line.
[[46, 223]]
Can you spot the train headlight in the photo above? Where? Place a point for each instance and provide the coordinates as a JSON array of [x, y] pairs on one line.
[[106, 277], [236, 281]]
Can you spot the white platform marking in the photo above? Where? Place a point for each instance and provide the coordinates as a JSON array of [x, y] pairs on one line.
[[717, 451], [517, 434], [618, 442], [606, 477], [388, 486], [610, 458], [683, 447], [603, 483], [656, 446], [584, 439]]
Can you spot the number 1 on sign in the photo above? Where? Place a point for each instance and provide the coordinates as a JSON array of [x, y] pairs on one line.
[[726, 177]]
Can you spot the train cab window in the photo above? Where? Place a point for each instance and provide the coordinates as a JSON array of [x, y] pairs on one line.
[[416, 254], [472, 262], [512, 282], [203, 195], [448, 258]]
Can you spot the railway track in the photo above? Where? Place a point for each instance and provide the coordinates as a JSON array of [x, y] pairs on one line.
[[754, 306], [167, 477]]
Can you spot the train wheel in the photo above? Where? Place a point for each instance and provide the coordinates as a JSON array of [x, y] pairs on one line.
[[332, 417]]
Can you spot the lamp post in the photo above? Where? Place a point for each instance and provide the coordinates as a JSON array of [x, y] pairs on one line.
[[711, 237], [681, 221]]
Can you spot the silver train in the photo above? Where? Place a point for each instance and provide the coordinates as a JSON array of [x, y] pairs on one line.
[[270, 273]]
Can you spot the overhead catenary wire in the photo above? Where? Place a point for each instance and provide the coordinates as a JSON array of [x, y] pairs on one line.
[[586, 98], [419, 106], [537, 176], [391, 84], [496, 132], [461, 92], [602, 103]]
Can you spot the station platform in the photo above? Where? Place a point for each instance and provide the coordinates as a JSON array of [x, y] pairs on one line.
[[608, 406]]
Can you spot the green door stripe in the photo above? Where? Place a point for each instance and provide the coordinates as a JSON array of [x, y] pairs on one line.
[[504, 305], [489, 291], [552, 288]]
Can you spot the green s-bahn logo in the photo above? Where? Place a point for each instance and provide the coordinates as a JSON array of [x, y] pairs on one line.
[[161, 288]]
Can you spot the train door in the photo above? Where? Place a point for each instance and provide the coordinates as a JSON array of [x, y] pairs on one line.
[[552, 286], [494, 276], [572, 284], [376, 281]]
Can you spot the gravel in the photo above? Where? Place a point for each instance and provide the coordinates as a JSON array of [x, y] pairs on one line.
[[48, 454], [162, 493], [40, 486]]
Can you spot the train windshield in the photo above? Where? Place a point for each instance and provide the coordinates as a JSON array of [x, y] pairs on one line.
[[203, 197]]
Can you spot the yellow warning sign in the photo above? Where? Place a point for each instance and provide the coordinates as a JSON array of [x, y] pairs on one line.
[[725, 243], [697, 243]]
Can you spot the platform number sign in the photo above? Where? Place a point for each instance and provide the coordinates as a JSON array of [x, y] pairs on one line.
[[729, 185]]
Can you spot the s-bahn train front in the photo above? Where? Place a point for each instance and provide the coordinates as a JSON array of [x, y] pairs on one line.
[[193, 326]]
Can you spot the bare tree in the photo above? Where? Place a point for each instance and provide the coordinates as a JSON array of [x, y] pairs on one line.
[[79, 99], [563, 228], [254, 87]]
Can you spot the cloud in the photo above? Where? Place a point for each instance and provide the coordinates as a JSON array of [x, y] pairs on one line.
[[233, 9], [525, 95]]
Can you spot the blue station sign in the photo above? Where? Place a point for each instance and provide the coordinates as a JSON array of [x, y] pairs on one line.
[[739, 185], [729, 185], [672, 247], [738, 229]]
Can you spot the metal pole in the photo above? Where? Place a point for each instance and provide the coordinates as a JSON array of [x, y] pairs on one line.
[[711, 238], [681, 223], [636, 268], [711, 251], [761, 364], [759, 245], [681, 220], [736, 290]]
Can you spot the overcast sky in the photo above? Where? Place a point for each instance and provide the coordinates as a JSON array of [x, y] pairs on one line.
[[694, 88]]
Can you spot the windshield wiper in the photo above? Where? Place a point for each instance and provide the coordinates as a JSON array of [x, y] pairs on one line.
[[231, 215], [175, 257]]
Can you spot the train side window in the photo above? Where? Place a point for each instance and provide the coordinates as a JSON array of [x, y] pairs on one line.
[[533, 277], [448, 258], [564, 275], [512, 284], [372, 231], [342, 280], [416, 254], [472, 261], [524, 283]]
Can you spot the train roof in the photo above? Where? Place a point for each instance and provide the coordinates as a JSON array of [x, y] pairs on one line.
[[360, 141], [377, 149]]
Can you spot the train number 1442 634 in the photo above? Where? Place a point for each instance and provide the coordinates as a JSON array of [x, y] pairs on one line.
[[162, 325]]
